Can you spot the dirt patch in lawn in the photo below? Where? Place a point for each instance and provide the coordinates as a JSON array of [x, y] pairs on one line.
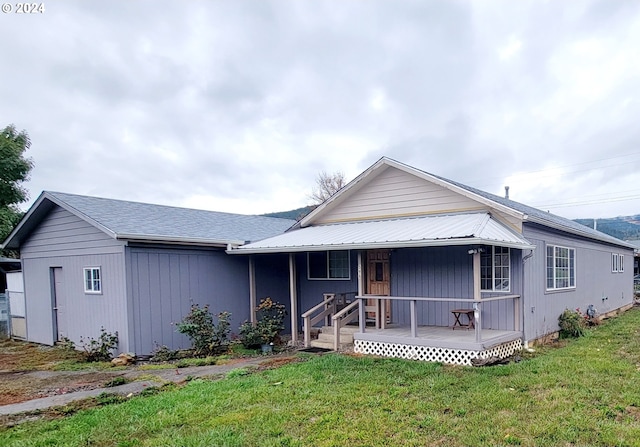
[[27, 371]]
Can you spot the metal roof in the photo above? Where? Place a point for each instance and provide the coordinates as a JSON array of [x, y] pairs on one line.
[[147, 222], [424, 231]]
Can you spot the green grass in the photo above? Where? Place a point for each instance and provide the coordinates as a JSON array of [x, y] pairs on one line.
[[584, 393]]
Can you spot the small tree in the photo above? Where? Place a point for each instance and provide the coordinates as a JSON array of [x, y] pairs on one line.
[[207, 338], [326, 186]]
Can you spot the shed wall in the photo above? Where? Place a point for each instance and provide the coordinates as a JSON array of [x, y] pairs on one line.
[[66, 241]]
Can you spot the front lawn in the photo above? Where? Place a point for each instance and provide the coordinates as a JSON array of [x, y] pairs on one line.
[[583, 393]]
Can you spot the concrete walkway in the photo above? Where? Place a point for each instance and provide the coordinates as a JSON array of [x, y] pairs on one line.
[[163, 376]]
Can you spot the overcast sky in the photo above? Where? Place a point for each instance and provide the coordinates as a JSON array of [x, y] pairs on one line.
[[237, 105]]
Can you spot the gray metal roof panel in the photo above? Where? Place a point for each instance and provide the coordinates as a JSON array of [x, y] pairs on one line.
[[451, 229]]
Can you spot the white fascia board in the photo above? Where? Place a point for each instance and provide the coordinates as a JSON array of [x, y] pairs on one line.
[[377, 245], [179, 240]]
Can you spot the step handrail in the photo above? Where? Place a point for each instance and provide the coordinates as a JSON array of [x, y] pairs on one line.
[[329, 305], [340, 319]]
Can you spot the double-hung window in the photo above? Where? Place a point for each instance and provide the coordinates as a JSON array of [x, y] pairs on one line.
[[617, 263], [92, 280], [561, 267], [495, 271], [328, 264]]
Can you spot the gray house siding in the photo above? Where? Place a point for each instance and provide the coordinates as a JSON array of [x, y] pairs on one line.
[[272, 280], [67, 242], [164, 281], [311, 291], [595, 283], [447, 272]]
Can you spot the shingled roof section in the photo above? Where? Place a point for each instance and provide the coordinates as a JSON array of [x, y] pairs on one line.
[[144, 221]]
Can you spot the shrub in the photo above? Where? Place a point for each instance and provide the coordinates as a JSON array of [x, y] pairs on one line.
[[206, 337], [100, 350], [270, 323], [572, 323], [163, 354]]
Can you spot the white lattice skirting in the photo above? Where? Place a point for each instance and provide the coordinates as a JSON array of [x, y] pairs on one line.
[[432, 354]]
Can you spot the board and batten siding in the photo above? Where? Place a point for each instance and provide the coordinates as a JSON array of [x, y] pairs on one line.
[[65, 241], [447, 272], [595, 283], [164, 282], [395, 193]]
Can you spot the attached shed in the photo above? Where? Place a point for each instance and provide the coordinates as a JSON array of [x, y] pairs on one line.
[[131, 267]]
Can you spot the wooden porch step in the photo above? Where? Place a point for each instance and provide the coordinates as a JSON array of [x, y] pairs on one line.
[[328, 337], [343, 330]]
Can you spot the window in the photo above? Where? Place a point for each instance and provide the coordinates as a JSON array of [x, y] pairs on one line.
[[617, 263], [561, 267], [92, 280], [495, 271], [328, 264]]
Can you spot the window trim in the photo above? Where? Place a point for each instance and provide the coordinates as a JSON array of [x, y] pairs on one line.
[[617, 263], [493, 270], [328, 266], [92, 279], [555, 277]]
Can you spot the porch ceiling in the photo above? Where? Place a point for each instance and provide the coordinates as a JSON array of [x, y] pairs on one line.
[[423, 231]]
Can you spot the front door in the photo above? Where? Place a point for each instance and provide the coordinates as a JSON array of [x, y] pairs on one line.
[[379, 279], [59, 317]]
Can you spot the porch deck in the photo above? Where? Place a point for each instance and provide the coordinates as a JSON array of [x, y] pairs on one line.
[[437, 343]]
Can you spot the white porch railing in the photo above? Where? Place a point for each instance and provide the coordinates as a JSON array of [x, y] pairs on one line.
[[477, 307], [328, 309]]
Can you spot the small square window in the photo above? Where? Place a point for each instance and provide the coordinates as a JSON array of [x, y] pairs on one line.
[[92, 280]]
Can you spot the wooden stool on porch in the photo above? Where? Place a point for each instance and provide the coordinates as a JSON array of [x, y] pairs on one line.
[[470, 318]]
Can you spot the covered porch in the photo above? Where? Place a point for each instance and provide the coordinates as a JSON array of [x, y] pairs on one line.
[[437, 269]]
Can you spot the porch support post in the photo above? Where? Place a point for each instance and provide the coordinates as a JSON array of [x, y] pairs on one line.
[[360, 276], [414, 319], [252, 290], [477, 296], [294, 298], [363, 314]]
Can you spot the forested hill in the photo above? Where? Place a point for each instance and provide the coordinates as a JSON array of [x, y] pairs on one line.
[[296, 214], [624, 227]]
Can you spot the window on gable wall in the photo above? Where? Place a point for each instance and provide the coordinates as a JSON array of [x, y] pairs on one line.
[[92, 280], [328, 264], [495, 271], [561, 267]]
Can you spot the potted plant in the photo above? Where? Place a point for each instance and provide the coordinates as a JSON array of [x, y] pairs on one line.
[[266, 331]]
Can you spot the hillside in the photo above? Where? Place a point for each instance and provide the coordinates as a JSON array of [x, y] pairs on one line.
[[622, 227], [296, 214]]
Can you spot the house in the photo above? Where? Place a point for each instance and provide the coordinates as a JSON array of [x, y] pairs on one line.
[[409, 264], [400, 262], [133, 268]]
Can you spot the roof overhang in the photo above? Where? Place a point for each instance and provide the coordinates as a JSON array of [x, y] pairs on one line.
[[425, 231], [179, 240]]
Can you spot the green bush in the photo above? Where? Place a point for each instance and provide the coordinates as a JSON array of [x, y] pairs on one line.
[[100, 350], [206, 337], [572, 323], [271, 315]]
